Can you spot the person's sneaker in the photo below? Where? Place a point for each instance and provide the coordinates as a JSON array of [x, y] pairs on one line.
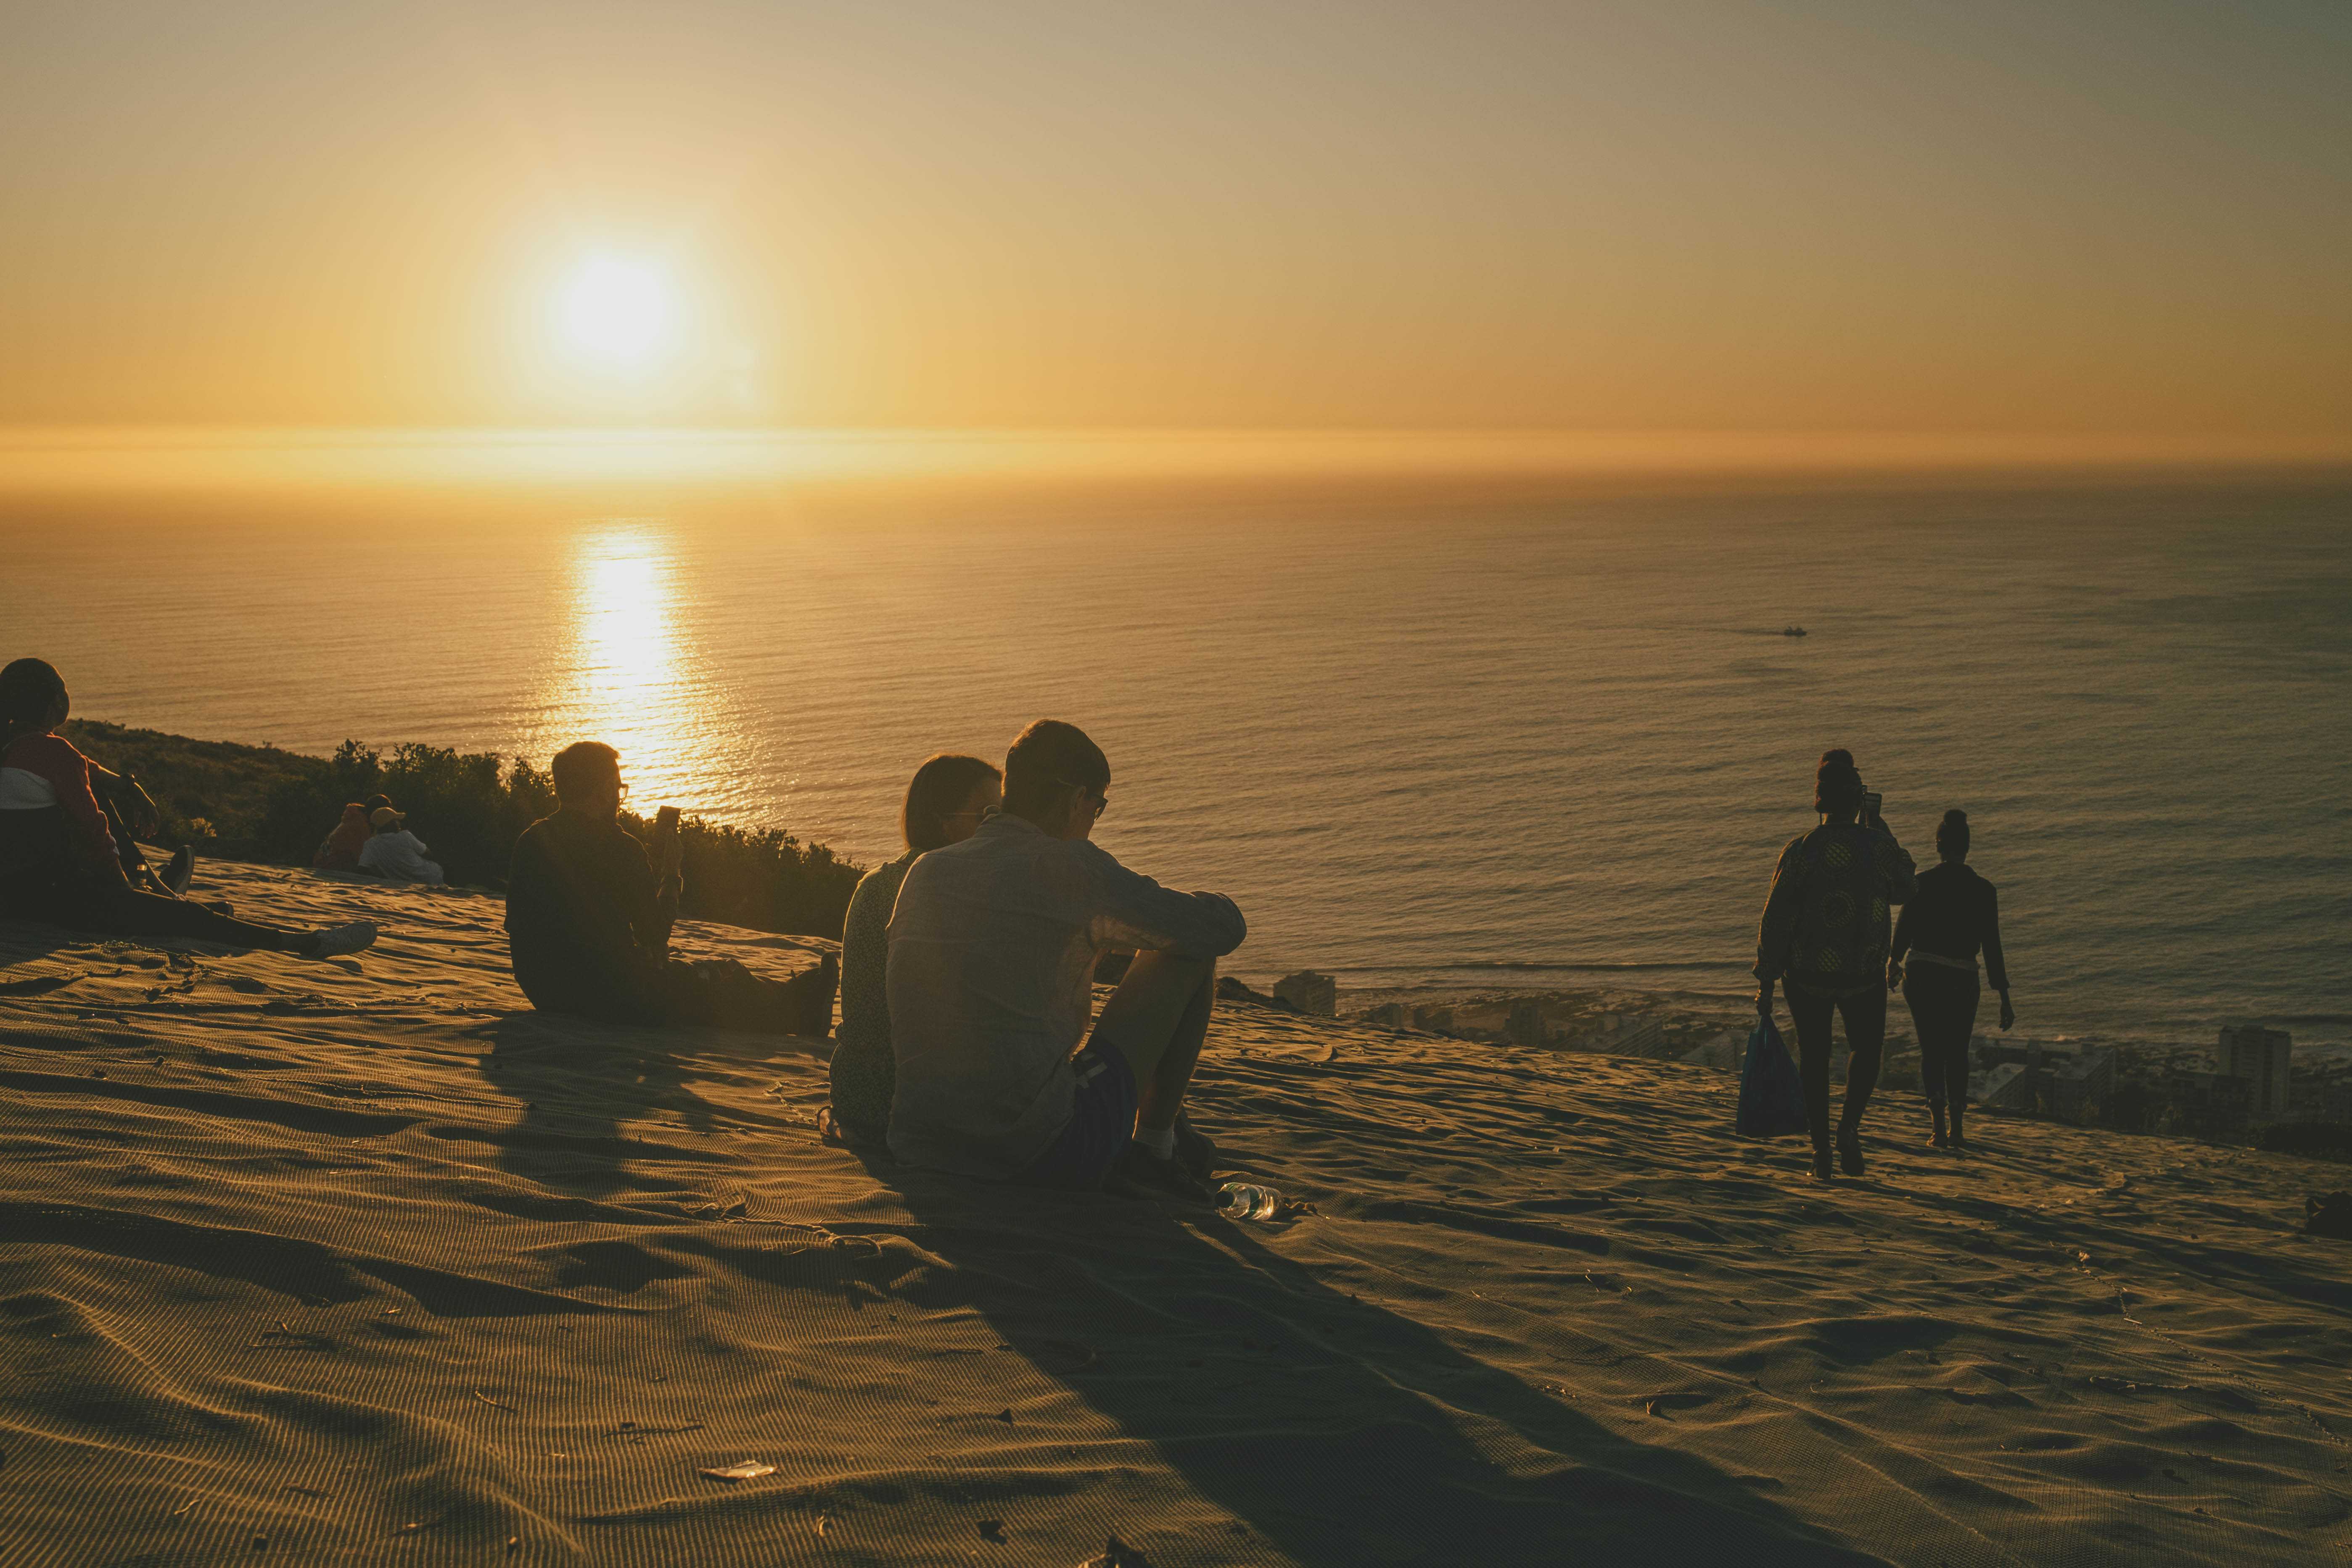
[[1823, 1169], [335, 941], [1138, 1168], [1849, 1147], [180, 869], [1194, 1151]]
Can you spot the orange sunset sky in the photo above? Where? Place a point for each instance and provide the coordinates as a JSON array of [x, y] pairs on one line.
[[1675, 215]]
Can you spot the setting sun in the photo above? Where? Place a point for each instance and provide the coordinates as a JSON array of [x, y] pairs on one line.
[[617, 310]]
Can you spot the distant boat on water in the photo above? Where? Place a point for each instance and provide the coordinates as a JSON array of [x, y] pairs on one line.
[[1792, 631]]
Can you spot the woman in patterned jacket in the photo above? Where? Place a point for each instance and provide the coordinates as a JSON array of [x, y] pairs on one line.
[[1823, 940]]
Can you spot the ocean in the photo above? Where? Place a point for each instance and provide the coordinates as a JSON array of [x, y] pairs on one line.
[[1466, 736]]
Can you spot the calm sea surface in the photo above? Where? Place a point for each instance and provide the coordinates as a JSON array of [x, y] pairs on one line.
[[1541, 744]]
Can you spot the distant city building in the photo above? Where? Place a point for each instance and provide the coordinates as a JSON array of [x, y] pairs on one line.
[[2219, 1104], [2263, 1058], [1618, 1036], [1390, 1015], [2078, 1082], [2009, 1087], [1722, 1052], [1309, 991]]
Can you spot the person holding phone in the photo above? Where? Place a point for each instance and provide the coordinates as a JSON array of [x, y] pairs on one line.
[[1954, 913], [1826, 933], [589, 916]]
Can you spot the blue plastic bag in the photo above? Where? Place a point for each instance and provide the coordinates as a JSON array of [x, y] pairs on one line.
[[1771, 1094]]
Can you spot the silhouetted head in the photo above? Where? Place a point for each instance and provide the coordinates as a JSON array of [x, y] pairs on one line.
[[1057, 778], [376, 802], [33, 700], [1952, 835], [946, 799], [587, 776], [383, 819], [356, 812], [1837, 785]]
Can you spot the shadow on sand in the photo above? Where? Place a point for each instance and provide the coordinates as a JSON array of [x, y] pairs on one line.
[[579, 1081], [1337, 1432], [1331, 1431]]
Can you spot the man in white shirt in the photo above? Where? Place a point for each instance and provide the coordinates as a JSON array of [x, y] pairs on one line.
[[994, 943], [395, 853]]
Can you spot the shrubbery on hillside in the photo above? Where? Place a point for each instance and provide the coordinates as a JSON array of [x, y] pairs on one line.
[[2312, 1140], [261, 803], [469, 808]]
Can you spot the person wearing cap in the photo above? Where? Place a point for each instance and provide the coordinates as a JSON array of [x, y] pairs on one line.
[[396, 854]]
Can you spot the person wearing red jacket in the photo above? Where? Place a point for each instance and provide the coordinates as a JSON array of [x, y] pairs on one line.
[[60, 861]]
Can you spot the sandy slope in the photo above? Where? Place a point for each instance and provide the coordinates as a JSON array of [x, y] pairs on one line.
[[360, 1261]]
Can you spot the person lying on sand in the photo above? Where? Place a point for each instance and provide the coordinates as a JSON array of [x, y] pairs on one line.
[[946, 802], [60, 860], [589, 918], [396, 854], [992, 953]]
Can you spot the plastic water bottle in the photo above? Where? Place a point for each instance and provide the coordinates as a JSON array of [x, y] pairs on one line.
[[1239, 1200]]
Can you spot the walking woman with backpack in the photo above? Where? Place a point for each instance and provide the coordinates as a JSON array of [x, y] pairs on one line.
[[1824, 939]]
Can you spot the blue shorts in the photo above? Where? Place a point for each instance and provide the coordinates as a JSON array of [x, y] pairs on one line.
[[1102, 1122]]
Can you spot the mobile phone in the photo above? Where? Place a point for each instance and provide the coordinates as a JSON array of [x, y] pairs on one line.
[[1870, 799], [666, 819]]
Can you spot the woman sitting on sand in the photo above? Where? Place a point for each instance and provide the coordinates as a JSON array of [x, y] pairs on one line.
[[340, 852], [59, 859], [945, 803], [1825, 931], [340, 849], [1954, 912]]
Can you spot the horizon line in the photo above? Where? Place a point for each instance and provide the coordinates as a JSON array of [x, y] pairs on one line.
[[50, 459]]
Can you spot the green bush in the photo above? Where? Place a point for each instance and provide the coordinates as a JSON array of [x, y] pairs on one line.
[[262, 804], [469, 808], [214, 793], [2312, 1140]]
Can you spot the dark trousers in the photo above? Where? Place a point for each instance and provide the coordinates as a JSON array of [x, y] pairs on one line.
[[83, 902], [864, 1075], [718, 992], [723, 994], [1944, 1014], [1865, 1036]]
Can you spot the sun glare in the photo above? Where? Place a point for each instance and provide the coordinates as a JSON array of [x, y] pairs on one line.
[[620, 311]]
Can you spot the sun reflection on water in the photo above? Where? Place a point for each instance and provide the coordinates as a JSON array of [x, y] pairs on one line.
[[630, 677]]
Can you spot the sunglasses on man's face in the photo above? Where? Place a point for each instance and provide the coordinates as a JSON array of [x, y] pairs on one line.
[[1101, 802]]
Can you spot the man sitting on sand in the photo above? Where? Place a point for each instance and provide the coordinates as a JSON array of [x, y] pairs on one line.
[[395, 853], [992, 951], [589, 917]]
